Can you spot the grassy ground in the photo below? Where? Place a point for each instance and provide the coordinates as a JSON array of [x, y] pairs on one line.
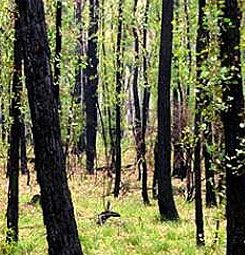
[[138, 231]]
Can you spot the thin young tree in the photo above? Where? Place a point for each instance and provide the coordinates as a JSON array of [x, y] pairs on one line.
[[166, 202], [58, 212], [233, 120]]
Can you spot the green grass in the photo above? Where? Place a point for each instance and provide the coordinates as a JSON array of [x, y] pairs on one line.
[[138, 231]]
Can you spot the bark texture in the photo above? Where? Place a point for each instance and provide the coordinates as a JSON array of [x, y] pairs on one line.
[[58, 212], [90, 89], [118, 100], [165, 196], [14, 139], [233, 119]]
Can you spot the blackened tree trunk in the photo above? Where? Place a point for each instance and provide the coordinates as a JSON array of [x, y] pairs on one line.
[[137, 117], [201, 46], [118, 100], [23, 156], [233, 119], [209, 173], [14, 150], [165, 196], [91, 86], [58, 212], [57, 61], [145, 107]]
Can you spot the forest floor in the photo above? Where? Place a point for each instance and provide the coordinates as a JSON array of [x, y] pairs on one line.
[[138, 231]]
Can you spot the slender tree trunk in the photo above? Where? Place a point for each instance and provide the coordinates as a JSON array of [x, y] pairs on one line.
[[145, 107], [186, 2], [165, 196], [58, 212], [91, 97], [118, 100], [233, 119], [202, 38], [209, 173], [14, 150], [57, 61], [23, 156], [137, 117]]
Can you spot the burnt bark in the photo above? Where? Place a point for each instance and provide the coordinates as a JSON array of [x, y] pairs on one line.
[[209, 173], [145, 108], [58, 212], [233, 120], [201, 46], [165, 195], [90, 91], [14, 140], [58, 45], [137, 116], [118, 100]]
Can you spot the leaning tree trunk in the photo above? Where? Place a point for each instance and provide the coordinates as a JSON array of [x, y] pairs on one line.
[[58, 212], [14, 150], [233, 119], [165, 196], [90, 90], [118, 100]]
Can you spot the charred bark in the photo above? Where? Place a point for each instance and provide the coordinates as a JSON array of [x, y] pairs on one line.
[[202, 38], [137, 116], [165, 195], [118, 100], [233, 120], [145, 108], [14, 139], [58, 212], [90, 90], [57, 59]]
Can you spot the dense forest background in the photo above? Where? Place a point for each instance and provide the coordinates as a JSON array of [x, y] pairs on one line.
[[138, 106]]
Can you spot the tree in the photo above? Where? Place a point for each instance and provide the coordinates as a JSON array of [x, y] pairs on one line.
[[58, 212], [165, 196], [91, 86], [202, 38], [233, 120], [58, 45], [145, 107], [137, 118], [118, 100], [14, 139]]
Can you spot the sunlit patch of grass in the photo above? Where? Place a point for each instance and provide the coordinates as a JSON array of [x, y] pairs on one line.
[[139, 230]]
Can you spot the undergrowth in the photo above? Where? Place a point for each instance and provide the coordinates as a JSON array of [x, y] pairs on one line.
[[139, 231]]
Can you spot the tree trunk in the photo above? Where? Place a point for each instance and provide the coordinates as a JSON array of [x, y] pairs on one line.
[[14, 139], [57, 61], [118, 100], [233, 119], [58, 212], [137, 117], [90, 91], [165, 196], [202, 38], [145, 107], [209, 173]]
